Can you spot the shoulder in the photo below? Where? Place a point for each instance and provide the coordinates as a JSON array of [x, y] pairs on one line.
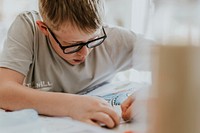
[[119, 32], [26, 19], [119, 37], [30, 15], [25, 24]]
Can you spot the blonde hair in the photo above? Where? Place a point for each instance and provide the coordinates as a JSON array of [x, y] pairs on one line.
[[86, 15]]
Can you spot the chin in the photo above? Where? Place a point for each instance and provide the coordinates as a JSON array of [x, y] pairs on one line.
[[75, 63]]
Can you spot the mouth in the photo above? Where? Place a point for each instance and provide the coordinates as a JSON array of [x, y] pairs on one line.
[[79, 60]]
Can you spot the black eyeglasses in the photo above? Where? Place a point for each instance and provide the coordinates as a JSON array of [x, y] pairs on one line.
[[76, 47]]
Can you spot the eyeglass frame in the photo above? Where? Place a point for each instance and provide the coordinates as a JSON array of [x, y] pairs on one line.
[[79, 44]]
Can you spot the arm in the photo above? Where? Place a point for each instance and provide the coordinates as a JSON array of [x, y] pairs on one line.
[[15, 96]]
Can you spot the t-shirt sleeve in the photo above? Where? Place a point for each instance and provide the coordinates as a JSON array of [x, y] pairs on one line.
[[17, 51], [129, 50], [142, 53], [119, 44]]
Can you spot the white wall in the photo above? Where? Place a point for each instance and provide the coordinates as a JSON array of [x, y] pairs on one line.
[[131, 14], [8, 11], [119, 12]]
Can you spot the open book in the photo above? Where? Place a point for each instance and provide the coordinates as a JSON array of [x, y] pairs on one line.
[[114, 93]]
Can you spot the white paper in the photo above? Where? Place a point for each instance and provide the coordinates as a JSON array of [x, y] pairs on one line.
[[28, 121]]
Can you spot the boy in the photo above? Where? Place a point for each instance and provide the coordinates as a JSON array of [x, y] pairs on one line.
[[66, 48]]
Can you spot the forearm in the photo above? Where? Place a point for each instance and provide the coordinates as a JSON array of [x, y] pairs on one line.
[[14, 96]]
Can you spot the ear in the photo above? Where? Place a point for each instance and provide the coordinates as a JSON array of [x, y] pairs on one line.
[[41, 25]]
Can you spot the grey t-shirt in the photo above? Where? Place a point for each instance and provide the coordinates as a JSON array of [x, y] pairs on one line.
[[28, 51]]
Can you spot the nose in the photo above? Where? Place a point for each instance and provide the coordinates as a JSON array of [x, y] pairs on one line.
[[83, 51]]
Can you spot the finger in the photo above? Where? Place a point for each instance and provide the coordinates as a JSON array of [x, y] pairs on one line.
[[106, 108], [104, 102], [129, 131], [128, 114], [112, 113], [101, 100], [103, 119], [91, 122], [125, 105], [128, 101]]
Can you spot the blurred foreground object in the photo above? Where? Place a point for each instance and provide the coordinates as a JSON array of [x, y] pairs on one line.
[[176, 87], [176, 74]]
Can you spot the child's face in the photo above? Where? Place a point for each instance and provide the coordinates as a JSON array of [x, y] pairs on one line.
[[68, 36]]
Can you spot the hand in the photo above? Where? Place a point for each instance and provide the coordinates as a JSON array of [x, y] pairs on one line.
[[129, 131], [127, 108], [93, 110]]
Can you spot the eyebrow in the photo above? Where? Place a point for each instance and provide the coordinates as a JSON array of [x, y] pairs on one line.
[[77, 42]]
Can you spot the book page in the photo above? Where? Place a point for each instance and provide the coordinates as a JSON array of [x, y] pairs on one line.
[[115, 93]]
